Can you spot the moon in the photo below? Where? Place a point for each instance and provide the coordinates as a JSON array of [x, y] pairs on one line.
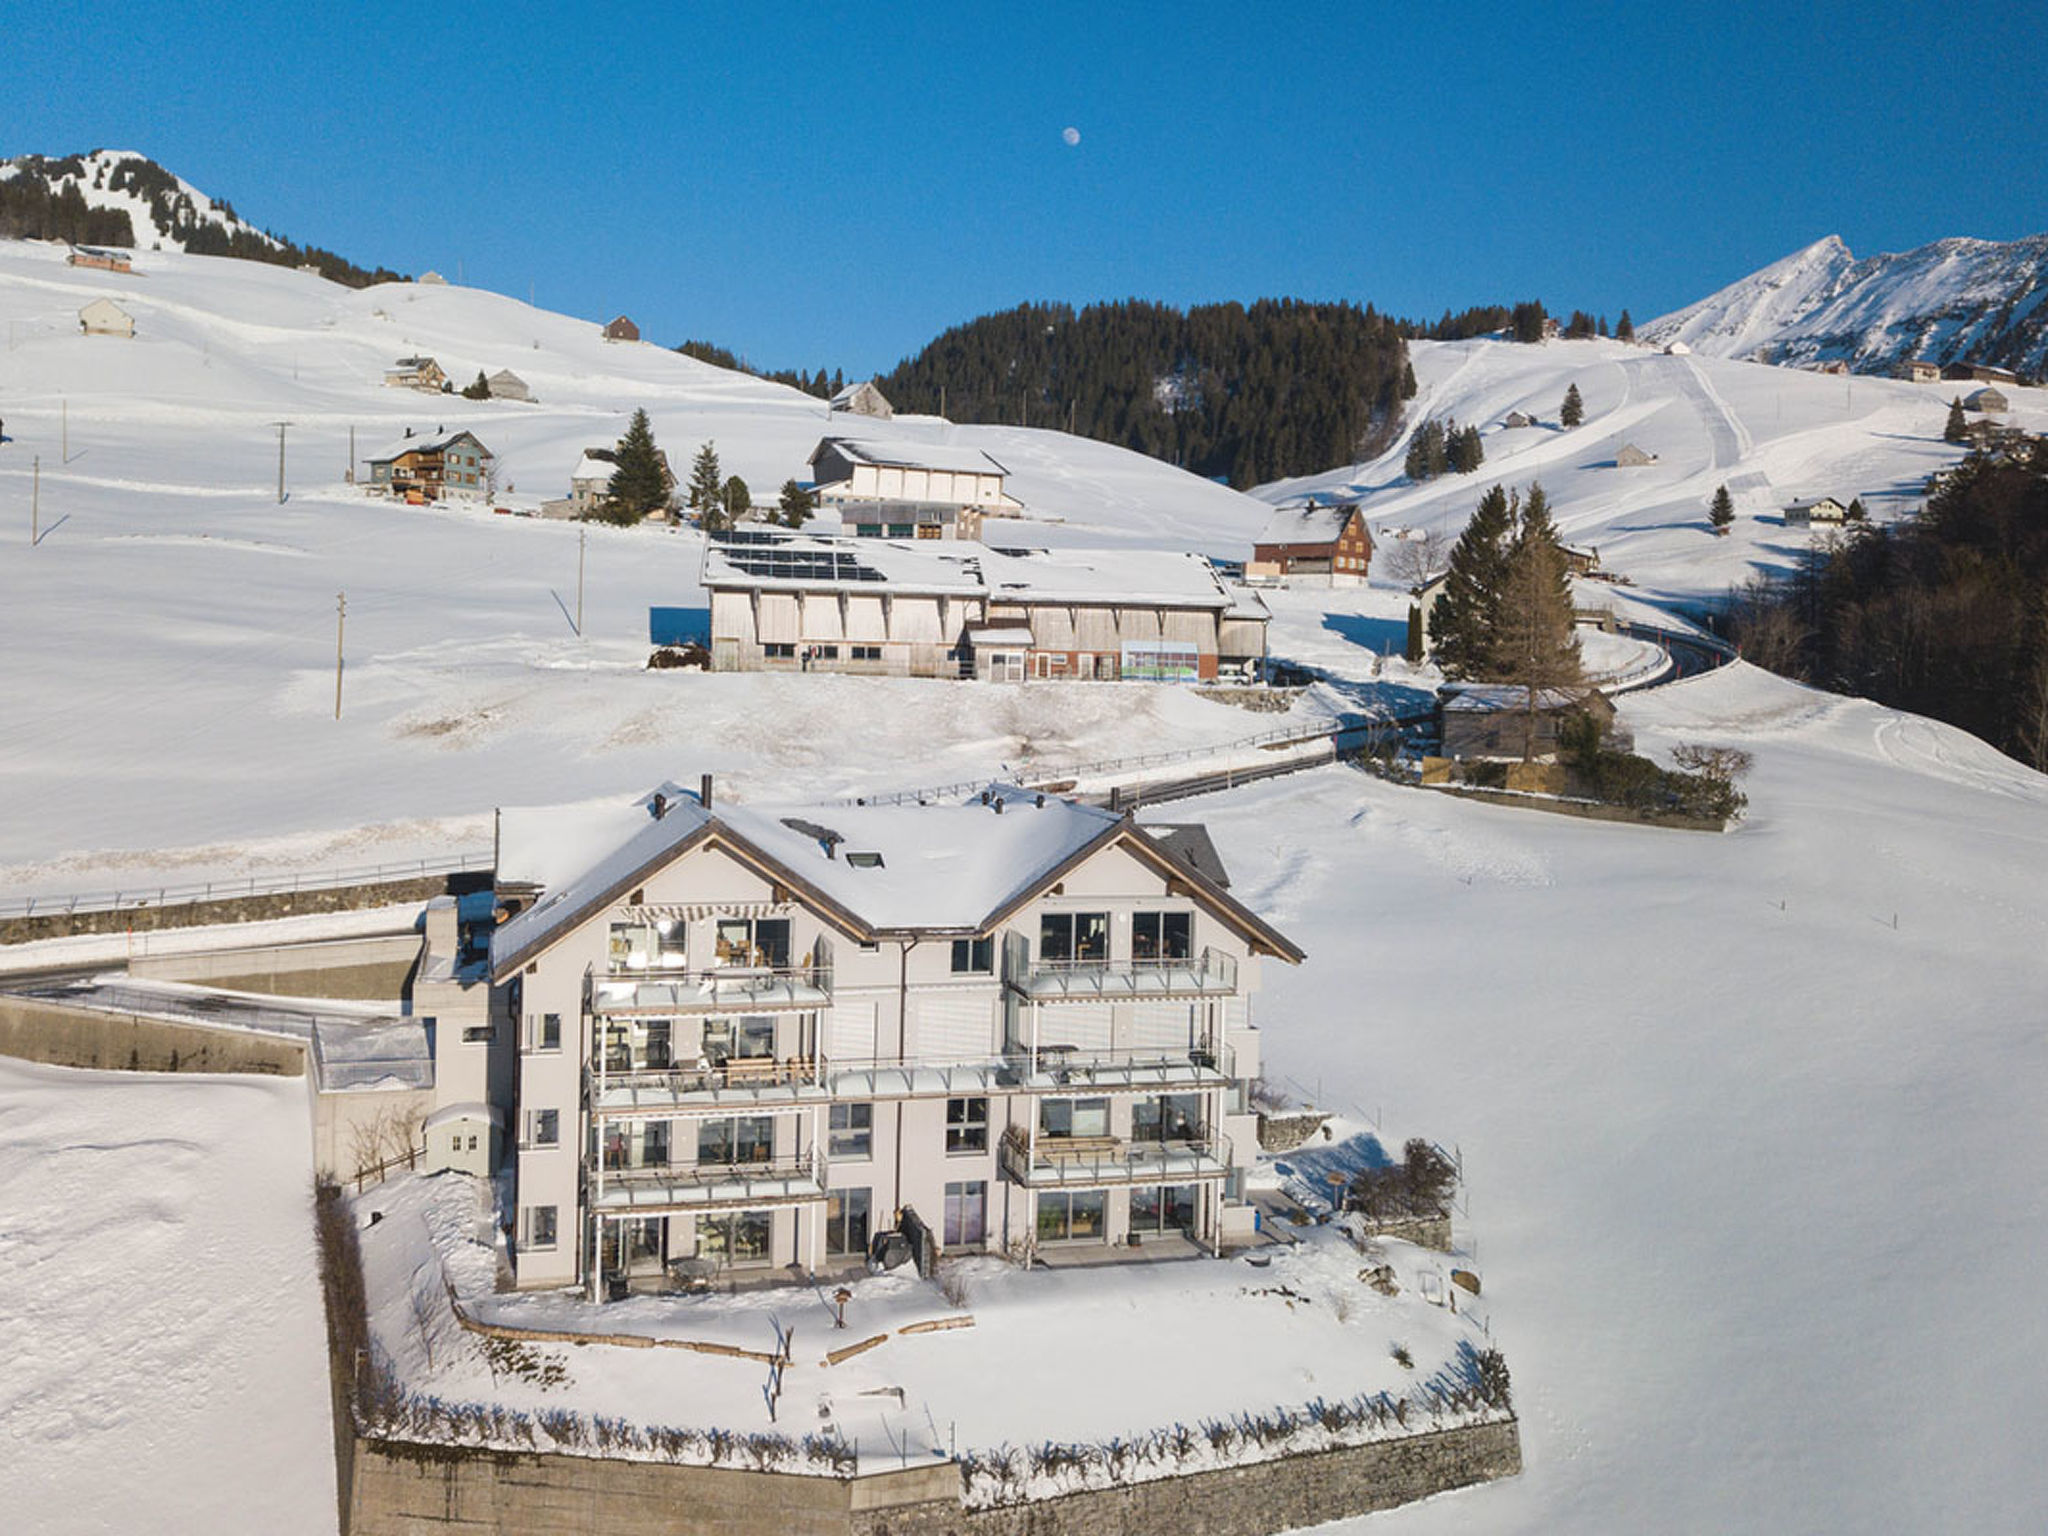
[[1072, 136]]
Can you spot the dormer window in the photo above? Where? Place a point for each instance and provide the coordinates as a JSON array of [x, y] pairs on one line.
[[864, 860]]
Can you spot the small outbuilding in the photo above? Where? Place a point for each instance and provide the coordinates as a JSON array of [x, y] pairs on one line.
[[1518, 419], [1494, 720], [100, 257], [1676, 349], [469, 1138], [507, 385], [864, 399], [103, 317], [1629, 456], [622, 329], [1986, 399]]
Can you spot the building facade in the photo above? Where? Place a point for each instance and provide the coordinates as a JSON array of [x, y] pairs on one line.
[[750, 1043], [1323, 544], [795, 602], [909, 490], [428, 468]]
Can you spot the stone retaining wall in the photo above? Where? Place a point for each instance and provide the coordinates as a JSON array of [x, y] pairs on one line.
[[400, 1489], [67, 1036], [1288, 1130]]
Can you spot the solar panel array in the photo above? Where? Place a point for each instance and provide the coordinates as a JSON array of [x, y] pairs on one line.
[[781, 563]]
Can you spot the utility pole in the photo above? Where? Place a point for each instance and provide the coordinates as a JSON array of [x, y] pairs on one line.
[[581, 535], [280, 425], [349, 474], [35, 504], [67, 430], [340, 617]]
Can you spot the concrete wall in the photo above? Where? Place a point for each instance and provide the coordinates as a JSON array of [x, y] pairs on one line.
[[224, 909], [405, 1490], [87, 1037], [368, 969]]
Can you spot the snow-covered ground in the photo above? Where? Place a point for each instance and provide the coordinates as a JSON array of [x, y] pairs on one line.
[[166, 1362]]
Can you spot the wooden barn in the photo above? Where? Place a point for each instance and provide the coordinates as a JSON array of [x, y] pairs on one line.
[[1323, 545]]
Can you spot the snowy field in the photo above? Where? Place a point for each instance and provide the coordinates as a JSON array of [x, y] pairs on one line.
[[165, 1359]]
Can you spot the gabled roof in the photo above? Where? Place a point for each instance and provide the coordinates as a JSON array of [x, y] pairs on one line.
[[944, 869], [424, 444], [897, 454], [1306, 525]]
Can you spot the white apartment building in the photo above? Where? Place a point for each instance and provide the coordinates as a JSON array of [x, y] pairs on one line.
[[909, 490], [752, 1042]]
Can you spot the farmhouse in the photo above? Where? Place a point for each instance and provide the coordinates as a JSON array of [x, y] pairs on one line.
[[751, 1041], [1328, 545], [1918, 370], [416, 373], [507, 385], [1810, 510], [103, 317], [427, 468], [783, 601], [1983, 373], [908, 490], [100, 258], [1493, 720], [864, 399], [622, 329]]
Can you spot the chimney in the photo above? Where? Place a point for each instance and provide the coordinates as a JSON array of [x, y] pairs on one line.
[[1041, 802], [704, 791], [660, 805], [999, 806]]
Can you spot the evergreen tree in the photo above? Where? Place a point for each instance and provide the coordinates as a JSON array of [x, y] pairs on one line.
[[1721, 512], [795, 505], [1603, 325], [1464, 450], [480, 390], [707, 483], [1958, 428], [1427, 452], [1415, 648], [1573, 411], [1856, 512], [1461, 624], [737, 500], [1534, 647], [1408, 385], [637, 486], [1624, 328], [1528, 321]]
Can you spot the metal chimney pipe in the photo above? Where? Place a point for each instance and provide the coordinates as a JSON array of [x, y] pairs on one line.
[[704, 791]]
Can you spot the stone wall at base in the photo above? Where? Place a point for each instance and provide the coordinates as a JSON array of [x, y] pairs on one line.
[[1287, 1129], [224, 909], [408, 1490]]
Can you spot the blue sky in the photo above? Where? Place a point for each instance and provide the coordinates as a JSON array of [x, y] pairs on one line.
[[817, 186]]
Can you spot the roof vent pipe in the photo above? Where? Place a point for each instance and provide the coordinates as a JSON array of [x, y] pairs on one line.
[[1041, 802], [659, 805], [999, 807], [704, 791], [984, 797]]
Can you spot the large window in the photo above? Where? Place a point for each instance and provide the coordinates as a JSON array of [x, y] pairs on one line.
[[647, 946], [1073, 938], [753, 941], [646, 1147], [1158, 936], [739, 1139], [1073, 1117], [1168, 1117], [967, 1125], [853, 1130], [846, 1222], [751, 1038], [974, 957], [1163, 1208], [966, 1213], [1067, 1215], [737, 1237], [540, 1226]]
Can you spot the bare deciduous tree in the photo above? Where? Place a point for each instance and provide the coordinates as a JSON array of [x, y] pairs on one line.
[[1418, 556]]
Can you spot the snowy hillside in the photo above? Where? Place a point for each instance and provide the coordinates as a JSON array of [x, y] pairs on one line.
[[1769, 434], [1955, 300], [185, 622], [164, 210]]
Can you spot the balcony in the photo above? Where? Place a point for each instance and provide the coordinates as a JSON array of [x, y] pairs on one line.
[[722, 989], [1208, 974], [709, 1186], [1058, 1068], [1053, 1162], [739, 1080]]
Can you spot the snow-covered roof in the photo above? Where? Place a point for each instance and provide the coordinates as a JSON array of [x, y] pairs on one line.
[[907, 455], [424, 444], [805, 562], [1494, 698], [951, 868], [468, 1110], [1306, 525], [588, 468], [1811, 503]]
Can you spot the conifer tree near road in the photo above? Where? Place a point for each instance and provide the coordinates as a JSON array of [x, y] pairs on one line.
[[1533, 643], [1958, 426], [637, 486], [1721, 512], [1573, 411], [1461, 626]]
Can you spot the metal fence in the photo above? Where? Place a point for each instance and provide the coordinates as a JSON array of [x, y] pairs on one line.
[[229, 890]]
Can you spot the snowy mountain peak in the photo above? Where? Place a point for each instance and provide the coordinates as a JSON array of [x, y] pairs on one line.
[[1956, 299], [162, 209]]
